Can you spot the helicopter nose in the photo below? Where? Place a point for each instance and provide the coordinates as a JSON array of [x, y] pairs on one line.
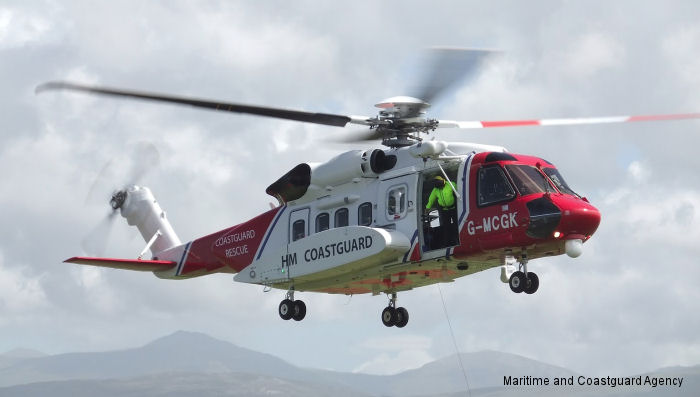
[[578, 223], [579, 219], [567, 218]]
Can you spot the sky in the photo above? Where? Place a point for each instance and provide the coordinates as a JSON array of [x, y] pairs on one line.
[[629, 304]]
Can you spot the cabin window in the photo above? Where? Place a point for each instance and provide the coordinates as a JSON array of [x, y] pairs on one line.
[[323, 222], [493, 186], [342, 217], [364, 214], [528, 179], [396, 202], [298, 230]]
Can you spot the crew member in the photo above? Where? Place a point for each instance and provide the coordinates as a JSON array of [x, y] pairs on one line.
[[443, 194]]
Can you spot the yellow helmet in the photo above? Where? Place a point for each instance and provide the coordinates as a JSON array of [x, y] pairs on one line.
[[438, 181]]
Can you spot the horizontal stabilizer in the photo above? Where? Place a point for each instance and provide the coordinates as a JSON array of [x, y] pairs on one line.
[[126, 264]]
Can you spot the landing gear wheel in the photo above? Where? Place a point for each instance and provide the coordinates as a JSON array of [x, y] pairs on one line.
[[286, 309], [517, 282], [533, 282], [402, 317], [389, 316], [299, 310]]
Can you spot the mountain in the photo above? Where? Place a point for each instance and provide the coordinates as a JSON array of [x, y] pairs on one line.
[[179, 352], [23, 353], [484, 369], [189, 363], [191, 352], [180, 385], [690, 387], [14, 356], [237, 384]]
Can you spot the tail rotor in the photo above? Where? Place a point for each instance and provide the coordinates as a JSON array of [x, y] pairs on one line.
[[126, 171]]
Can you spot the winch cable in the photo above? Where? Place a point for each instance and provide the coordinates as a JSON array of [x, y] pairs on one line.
[[454, 342]]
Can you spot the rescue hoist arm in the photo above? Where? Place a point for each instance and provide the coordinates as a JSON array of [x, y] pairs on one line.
[[447, 178]]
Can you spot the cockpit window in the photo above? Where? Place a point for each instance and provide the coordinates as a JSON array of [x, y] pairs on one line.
[[493, 186], [528, 179], [559, 181]]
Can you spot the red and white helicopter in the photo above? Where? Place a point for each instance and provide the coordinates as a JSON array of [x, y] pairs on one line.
[[358, 223]]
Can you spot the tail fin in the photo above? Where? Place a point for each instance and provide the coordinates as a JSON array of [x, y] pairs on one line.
[[142, 210]]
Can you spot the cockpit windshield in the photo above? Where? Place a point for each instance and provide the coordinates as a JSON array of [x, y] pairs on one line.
[[528, 179], [559, 181]]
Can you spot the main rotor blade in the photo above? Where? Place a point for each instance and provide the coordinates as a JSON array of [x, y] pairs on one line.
[[360, 136], [445, 67], [309, 117], [565, 121]]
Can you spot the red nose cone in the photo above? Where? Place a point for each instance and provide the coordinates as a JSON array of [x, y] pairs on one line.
[[579, 219]]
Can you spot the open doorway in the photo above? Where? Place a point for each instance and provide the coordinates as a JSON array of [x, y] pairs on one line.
[[439, 209]]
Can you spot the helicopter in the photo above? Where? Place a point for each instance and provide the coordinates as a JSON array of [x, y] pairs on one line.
[[361, 222]]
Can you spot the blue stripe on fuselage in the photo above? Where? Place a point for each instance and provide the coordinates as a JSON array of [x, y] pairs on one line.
[[269, 232]]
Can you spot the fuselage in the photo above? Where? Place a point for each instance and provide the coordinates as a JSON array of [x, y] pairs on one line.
[[358, 223]]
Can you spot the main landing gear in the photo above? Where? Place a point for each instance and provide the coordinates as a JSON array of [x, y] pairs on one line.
[[393, 316], [522, 280], [291, 309]]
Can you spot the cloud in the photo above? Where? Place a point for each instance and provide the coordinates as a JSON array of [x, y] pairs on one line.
[[97, 292], [637, 171], [19, 28], [592, 53], [660, 217], [681, 47], [19, 293]]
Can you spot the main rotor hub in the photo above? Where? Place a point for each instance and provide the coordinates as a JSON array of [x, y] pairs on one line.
[[401, 120], [401, 107]]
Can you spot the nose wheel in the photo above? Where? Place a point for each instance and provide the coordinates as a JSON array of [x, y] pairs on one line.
[[522, 280], [393, 316], [292, 309]]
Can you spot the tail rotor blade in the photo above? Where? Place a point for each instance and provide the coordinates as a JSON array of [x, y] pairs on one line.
[[124, 170], [102, 186], [144, 159], [95, 243], [112, 178]]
